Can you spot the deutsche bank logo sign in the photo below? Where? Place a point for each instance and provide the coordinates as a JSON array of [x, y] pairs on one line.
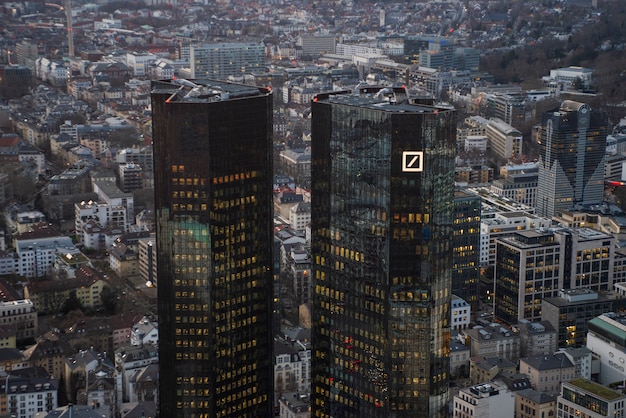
[[412, 161]]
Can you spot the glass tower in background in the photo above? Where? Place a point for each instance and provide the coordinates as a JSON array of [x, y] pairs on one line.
[[382, 231], [572, 142], [213, 183]]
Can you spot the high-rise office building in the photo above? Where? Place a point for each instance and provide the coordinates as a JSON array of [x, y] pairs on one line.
[[382, 210], [213, 182], [466, 244], [572, 144]]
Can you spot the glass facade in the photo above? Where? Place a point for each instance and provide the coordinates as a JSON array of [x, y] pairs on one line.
[[382, 209], [213, 175], [572, 142], [466, 255]]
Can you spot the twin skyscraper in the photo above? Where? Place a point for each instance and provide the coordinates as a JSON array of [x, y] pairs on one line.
[[381, 247]]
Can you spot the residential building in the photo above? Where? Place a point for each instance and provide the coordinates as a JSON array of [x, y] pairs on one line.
[[460, 313], [109, 193], [300, 215], [493, 341], [518, 182], [83, 367], [486, 369], [530, 403], [474, 174], [121, 327], [505, 141], [25, 220], [21, 315], [143, 384], [213, 178], [536, 338], [572, 141], [292, 363], [219, 61], [71, 411], [129, 360], [148, 260], [459, 359], [49, 352], [71, 181], [142, 156], [294, 405], [48, 296], [102, 215], [26, 396], [297, 164], [146, 331], [582, 358], [37, 250], [486, 400], [123, 260], [130, 177], [381, 246], [585, 398], [547, 372]]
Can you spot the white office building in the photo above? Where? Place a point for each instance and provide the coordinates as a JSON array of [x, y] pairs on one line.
[[484, 401]]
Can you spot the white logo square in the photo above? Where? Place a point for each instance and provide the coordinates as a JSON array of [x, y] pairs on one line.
[[412, 161]]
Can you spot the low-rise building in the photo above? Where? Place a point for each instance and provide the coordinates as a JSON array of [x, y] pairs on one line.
[[37, 249], [530, 403], [485, 369], [493, 341], [547, 372], [583, 361], [145, 331], [459, 359], [486, 400], [606, 337], [21, 315], [25, 396], [48, 296], [49, 352], [460, 313], [128, 360], [583, 398], [536, 338], [295, 405]]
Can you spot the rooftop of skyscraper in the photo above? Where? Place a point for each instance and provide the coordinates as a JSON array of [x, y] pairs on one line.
[[205, 91]]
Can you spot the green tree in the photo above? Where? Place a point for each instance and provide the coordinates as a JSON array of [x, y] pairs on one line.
[[71, 303], [108, 296]]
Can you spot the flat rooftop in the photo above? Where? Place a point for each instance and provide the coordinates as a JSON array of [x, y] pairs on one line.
[[377, 101], [205, 90], [596, 389]]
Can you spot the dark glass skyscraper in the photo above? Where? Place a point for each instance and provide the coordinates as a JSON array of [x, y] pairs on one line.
[[382, 207], [572, 144], [466, 255], [213, 182]]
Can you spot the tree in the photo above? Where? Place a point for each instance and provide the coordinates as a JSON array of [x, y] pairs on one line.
[[71, 303], [109, 299], [124, 138]]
